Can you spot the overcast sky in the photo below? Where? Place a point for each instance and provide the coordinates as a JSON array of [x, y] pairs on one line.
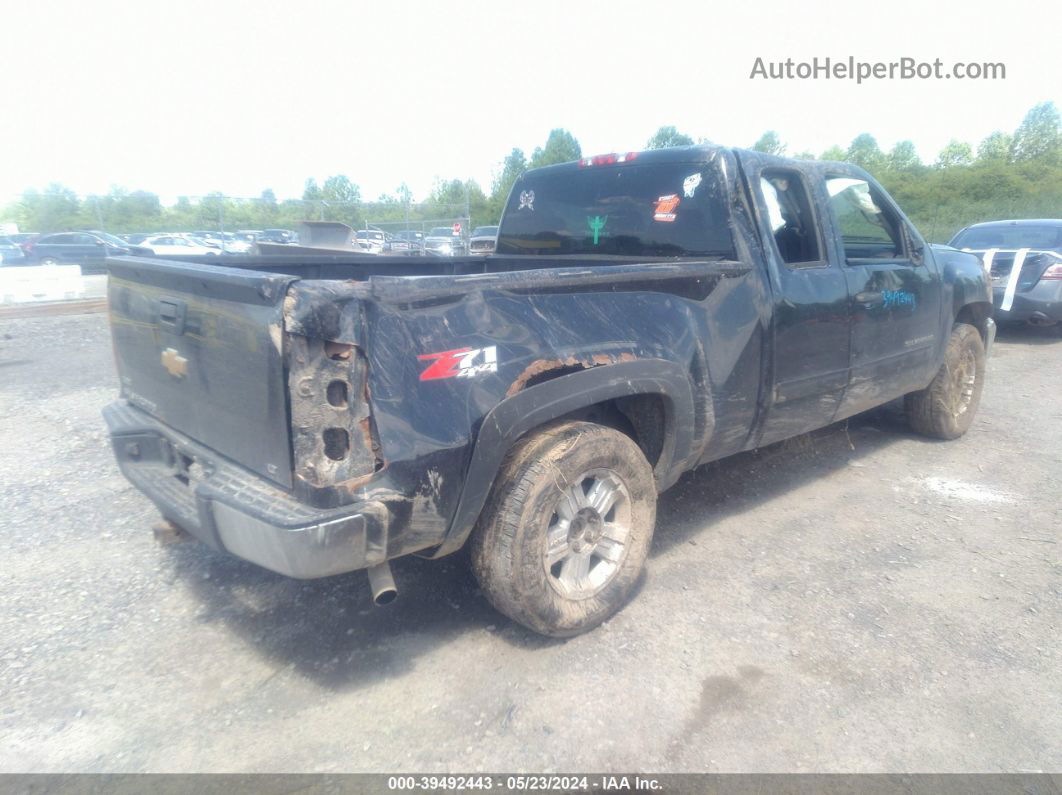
[[190, 97]]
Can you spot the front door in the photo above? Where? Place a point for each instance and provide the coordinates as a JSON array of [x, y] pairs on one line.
[[893, 290]]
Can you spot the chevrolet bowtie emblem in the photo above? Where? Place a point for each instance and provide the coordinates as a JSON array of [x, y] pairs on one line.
[[175, 364]]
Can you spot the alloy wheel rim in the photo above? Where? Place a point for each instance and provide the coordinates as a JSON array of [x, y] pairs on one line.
[[588, 535], [965, 381]]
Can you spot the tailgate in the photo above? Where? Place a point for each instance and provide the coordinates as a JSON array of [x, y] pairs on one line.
[[200, 347]]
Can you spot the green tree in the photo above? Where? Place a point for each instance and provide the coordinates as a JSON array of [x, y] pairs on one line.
[[833, 153], [804, 155], [955, 153], [514, 165], [864, 152], [561, 147], [311, 192], [54, 209], [903, 158], [266, 209], [339, 189], [994, 148], [668, 136], [769, 143], [1039, 136]]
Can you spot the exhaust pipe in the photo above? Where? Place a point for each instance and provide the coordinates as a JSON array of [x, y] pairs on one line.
[[1040, 319], [382, 584]]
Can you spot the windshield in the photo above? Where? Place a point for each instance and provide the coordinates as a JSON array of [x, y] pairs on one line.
[[485, 231], [441, 231], [1010, 236], [658, 210]]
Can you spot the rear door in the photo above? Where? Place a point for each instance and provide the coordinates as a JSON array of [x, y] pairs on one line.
[[60, 247], [810, 318], [200, 348], [894, 293], [87, 249]]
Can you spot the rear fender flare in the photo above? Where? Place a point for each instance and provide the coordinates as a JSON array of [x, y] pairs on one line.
[[537, 405]]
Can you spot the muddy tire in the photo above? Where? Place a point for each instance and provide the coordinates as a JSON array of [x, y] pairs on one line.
[[566, 531], [945, 409]]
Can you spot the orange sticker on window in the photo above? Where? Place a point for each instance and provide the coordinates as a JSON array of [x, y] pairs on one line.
[[665, 208]]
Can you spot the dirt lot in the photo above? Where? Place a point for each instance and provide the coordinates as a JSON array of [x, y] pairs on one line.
[[859, 599]]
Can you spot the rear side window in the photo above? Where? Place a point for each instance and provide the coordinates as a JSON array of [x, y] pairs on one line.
[[789, 214], [652, 210], [57, 239], [868, 229]]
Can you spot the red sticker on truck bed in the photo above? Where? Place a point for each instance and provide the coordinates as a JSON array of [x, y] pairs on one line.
[[460, 363]]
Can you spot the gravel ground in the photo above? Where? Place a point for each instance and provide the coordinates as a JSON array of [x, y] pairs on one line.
[[858, 599]]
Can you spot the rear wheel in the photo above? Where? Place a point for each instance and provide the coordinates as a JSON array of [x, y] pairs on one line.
[[945, 409], [566, 532]]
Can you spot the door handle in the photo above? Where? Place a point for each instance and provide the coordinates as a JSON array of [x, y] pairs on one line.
[[869, 299]]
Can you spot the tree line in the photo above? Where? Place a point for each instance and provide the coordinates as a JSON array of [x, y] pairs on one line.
[[1009, 175]]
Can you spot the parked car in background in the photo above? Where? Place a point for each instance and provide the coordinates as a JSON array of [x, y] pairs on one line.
[[370, 240], [278, 236], [1024, 258], [87, 249], [483, 240], [25, 240], [11, 253], [444, 241], [135, 237], [226, 242], [407, 243], [174, 245]]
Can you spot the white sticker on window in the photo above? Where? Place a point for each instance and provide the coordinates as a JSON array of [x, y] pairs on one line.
[[527, 199], [689, 185]]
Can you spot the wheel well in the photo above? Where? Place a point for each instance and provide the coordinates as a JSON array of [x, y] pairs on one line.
[[976, 315], [641, 417]]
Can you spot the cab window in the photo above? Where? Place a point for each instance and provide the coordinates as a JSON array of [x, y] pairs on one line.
[[869, 230], [790, 217]]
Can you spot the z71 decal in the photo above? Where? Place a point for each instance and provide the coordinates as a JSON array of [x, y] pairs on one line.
[[460, 363]]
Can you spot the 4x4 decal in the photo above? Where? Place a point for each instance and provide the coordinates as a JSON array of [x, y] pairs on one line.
[[460, 363]]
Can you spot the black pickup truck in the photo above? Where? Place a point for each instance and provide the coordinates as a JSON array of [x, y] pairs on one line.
[[643, 313]]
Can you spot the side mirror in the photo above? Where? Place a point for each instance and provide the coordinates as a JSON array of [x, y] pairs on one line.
[[916, 246]]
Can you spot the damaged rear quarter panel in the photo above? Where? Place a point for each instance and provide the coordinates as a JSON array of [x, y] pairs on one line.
[[540, 324]]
